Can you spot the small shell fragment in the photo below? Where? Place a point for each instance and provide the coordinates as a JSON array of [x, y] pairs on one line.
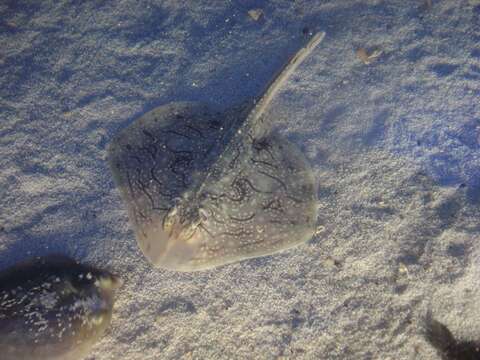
[[368, 58], [255, 14]]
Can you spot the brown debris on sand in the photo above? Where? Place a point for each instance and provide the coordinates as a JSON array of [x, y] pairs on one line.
[[367, 58], [255, 14]]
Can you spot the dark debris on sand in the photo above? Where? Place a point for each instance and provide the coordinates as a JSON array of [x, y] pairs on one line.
[[448, 347]]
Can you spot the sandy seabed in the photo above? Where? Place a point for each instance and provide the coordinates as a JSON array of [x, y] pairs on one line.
[[395, 146]]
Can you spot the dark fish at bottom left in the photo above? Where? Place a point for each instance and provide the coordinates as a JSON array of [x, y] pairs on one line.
[[54, 308]]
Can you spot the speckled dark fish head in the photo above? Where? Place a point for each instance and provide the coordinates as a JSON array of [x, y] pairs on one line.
[[54, 308]]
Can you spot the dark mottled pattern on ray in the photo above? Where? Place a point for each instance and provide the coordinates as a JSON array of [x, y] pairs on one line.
[[263, 200], [205, 189], [194, 207], [157, 159]]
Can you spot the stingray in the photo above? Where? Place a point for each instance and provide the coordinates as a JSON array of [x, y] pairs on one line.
[[200, 194]]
